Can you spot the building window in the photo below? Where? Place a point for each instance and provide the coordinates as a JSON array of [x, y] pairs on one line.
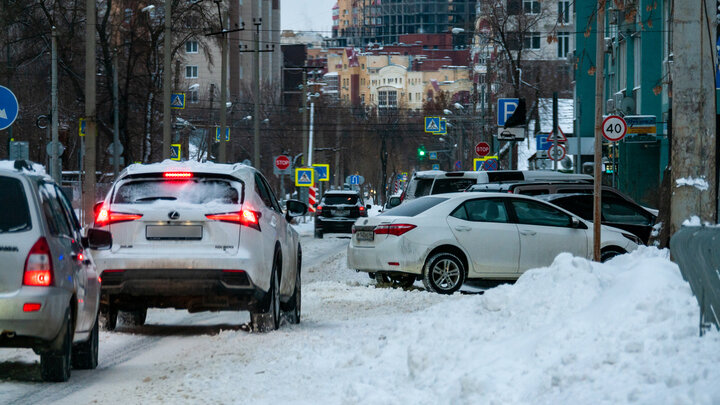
[[532, 40], [191, 46], [531, 6], [362, 98], [387, 99], [564, 11], [194, 96], [409, 96], [563, 41], [191, 72]]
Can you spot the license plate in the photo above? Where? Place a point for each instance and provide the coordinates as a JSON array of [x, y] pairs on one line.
[[173, 232], [340, 213], [365, 235]]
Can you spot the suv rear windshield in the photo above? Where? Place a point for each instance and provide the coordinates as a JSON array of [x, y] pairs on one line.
[[421, 188], [14, 215], [443, 186], [414, 207], [195, 191], [338, 199]]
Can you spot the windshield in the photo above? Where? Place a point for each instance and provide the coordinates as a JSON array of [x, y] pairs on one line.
[[14, 212], [414, 207], [421, 188], [338, 199], [196, 191]]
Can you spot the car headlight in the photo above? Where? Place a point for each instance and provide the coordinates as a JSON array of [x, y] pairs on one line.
[[633, 238]]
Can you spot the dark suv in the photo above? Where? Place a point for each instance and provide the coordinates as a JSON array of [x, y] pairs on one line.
[[337, 212]]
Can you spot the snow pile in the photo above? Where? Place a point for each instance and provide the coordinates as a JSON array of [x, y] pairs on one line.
[[700, 183]]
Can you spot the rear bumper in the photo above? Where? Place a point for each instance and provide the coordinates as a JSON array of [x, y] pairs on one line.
[[334, 224], [392, 255], [192, 289], [32, 329]]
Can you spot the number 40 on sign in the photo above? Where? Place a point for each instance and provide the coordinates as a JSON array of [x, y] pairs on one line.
[[614, 128]]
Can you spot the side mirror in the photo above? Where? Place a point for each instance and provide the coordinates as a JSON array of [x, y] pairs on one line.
[[368, 206], [295, 208], [577, 224], [97, 239], [394, 202]]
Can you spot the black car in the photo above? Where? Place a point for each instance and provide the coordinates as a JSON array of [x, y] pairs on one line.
[[337, 212], [616, 211]]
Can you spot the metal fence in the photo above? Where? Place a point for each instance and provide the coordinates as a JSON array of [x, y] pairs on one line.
[[697, 251]]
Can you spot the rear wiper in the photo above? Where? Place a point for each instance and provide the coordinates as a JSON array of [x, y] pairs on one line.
[[168, 198]]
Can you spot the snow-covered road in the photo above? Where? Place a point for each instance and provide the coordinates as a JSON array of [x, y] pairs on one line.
[[576, 332]]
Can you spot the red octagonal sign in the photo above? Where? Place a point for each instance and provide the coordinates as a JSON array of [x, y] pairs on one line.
[[282, 162], [482, 149]]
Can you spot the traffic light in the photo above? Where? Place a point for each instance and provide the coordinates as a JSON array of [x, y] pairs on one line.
[[421, 152]]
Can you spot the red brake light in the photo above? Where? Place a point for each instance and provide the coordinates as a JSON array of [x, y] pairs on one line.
[[38, 265], [362, 208], [31, 306], [106, 217], [394, 229], [177, 175], [319, 208], [245, 217]]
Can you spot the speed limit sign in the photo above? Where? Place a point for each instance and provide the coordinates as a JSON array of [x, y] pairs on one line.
[[614, 128]]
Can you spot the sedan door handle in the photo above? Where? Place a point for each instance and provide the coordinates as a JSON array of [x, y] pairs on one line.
[[528, 233], [462, 228]]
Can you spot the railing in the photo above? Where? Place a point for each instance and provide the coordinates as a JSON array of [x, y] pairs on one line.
[[696, 249]]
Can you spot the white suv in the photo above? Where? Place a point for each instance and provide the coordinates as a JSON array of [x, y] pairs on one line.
[[201, 237]]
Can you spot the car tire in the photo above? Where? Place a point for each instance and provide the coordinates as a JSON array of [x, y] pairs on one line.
[[110, 318], [294, 306], [403, 280], [318, 234], [135, 318], [444, 273], [608, 254], [382, 278], [266, 317], [56, 363], [85, 354]]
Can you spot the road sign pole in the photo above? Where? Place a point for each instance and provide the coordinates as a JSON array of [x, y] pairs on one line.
[[599, 99], [56, 169], [555, 125]]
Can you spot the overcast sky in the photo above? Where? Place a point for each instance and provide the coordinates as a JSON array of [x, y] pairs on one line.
[[307, 15]]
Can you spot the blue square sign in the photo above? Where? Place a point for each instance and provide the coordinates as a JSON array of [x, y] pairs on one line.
[[432, 124], [506, 108]]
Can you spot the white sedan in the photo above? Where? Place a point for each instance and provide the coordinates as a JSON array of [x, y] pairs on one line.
[[447, 239]]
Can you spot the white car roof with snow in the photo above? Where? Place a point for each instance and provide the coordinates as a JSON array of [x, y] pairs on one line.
[[350, 192], [191, 166]]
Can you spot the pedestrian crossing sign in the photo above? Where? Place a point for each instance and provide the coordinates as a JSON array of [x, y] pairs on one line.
[[81, 128], [322, 171], [304, 177], [217, 134], [177, 101], [432, 124], [175, 151]]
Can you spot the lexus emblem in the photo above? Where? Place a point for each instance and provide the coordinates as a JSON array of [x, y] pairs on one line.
[[173, 215]]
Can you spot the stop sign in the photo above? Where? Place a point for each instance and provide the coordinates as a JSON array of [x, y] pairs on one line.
[[482, 149], [282, 162]]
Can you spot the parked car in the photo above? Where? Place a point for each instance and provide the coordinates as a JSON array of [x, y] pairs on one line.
[[616, 212], [439, 182], [338, 210], [49, 286], [539, 187], [450, 238], [201, 237]]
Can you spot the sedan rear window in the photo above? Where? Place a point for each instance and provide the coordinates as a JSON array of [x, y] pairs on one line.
[[14, 215], [196, 191], [414, 207], [337, 199]]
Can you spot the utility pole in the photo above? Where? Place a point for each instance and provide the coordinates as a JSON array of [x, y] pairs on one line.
[[55, 166], [222, 150], [599, 97], [167, 76], [693, 104], [116, 117], [555, 126], [310, 143], [256, 87], [304, 112], [88, 194]]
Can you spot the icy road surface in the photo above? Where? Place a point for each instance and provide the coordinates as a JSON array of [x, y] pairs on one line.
[[573, 333]]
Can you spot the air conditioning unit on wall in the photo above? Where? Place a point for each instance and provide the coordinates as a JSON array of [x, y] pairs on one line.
[[610, 105]]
